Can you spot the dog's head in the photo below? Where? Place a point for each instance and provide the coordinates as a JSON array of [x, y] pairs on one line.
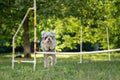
[[48, 37], [48, 41]]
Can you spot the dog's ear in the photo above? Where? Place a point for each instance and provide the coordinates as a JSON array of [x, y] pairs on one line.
[[43, 32], [53, 33]]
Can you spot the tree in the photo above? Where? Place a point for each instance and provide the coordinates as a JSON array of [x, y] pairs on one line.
[[94, 16], [10, 14], [27, 50], [66, 17]]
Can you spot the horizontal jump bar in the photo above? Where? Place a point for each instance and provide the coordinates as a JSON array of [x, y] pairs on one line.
[[23, 61], [89, 52]]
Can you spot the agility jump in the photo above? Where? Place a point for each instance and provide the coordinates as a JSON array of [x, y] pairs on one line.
[[13, 39], [57, 53]]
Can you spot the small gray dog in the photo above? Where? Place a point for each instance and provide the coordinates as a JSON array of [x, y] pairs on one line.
[[48, 44]]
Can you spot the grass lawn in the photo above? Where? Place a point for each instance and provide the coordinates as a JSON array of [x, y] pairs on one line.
[[94, 67]]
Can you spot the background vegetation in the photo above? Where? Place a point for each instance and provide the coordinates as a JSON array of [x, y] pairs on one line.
[[65, 17]]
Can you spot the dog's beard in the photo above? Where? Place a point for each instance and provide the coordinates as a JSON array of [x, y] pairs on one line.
[[49, 41]]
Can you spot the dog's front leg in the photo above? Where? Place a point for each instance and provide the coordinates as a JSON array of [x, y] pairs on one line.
[[53, 59], [46, 64]]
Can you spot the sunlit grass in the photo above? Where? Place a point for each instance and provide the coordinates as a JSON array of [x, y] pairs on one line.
[[94, 67]]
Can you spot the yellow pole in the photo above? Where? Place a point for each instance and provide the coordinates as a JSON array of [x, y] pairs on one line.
[[35, 26]]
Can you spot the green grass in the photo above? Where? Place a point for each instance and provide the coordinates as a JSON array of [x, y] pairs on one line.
[[94, 67]]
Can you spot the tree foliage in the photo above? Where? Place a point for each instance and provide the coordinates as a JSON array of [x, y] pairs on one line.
[[65, 17]]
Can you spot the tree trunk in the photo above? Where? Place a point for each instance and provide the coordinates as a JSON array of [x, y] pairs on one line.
[[27, 50]]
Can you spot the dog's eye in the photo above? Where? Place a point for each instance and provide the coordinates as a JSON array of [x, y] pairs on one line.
[[52, 37], [45, 38]]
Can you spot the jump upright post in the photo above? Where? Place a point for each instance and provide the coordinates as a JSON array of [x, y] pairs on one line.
[[80, 44], [35, 28], [13, 39]]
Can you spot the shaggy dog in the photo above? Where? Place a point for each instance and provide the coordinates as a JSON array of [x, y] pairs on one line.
[[48, 44]]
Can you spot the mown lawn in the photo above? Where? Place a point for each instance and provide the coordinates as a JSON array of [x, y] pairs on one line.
[[94, 67]]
